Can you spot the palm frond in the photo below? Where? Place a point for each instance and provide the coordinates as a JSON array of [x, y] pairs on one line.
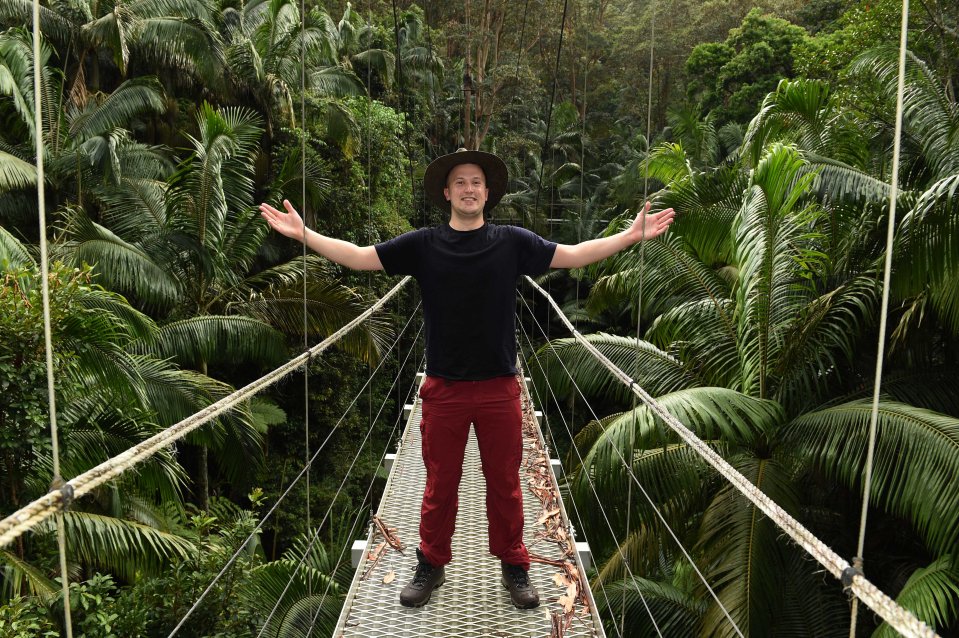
[[932, 594], [676, 612], [15, 173], [667, 273], [133, 98], [12, 253], [126, 548], [17, 572], [774, 249], [215, 339], [120, 265], [564, 362], [917, 454], [822, 336], [744, 554], [929, 247], [335, 82], [699, 333]]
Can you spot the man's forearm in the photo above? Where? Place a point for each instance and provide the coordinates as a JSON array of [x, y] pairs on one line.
[[343, 252], [589, 252]]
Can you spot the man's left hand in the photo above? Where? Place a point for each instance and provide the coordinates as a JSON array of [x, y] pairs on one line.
[[655, 224]]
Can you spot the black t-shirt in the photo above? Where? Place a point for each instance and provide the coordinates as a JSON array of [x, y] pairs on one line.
[[468, 283]]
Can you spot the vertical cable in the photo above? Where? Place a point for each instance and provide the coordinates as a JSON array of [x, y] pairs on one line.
[[887, 276], [369, 180], [549, 111], [306, 341], [642, 270], [47, 328]]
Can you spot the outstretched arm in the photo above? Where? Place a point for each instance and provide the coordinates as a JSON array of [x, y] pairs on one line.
[[588, 252], [342, 252]]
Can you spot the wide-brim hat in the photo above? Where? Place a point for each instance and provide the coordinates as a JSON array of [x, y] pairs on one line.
[[493, 167]]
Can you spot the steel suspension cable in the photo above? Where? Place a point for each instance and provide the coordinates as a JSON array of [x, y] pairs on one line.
[[46, 506], [642, 270], [346, 476], [549, 111], [47, 328], [303, 472], [599, 501], [883, 317], [899, 618], [339, 560], [629, 471], [306, 342]]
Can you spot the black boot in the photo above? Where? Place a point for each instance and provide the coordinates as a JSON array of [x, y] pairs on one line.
[[521, 592], [425, 580]]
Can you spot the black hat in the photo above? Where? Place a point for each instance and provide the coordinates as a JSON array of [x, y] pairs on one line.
[[493, 167]]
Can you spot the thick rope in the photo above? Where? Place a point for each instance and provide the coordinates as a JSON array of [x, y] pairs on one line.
[[899, 618], [47, 329], [44, 507], [884, 312], [306, 342], [652, 503]]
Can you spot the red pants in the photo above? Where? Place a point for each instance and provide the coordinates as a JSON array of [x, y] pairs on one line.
[[493, 407]]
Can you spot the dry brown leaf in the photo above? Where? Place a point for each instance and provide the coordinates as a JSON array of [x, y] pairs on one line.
[[389, 578], [567, 603], [560, 580], [547, 515]]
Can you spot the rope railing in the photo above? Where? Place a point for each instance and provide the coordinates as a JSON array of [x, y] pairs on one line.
[[649, 499], [901, 619], [58, 499], [304, 472]]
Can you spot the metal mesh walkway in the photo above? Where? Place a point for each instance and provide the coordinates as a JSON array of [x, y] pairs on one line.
[[472, 602]]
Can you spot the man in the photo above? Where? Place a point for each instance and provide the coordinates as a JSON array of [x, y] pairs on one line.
[[467, 271]]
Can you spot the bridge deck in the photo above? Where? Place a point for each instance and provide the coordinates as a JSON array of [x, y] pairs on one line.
[[472, 602]]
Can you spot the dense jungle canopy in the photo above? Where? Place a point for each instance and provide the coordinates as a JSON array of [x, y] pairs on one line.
[[767, 125]]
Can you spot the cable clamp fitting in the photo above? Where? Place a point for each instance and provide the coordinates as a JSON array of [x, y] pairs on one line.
[[850, 573], [66, 492]]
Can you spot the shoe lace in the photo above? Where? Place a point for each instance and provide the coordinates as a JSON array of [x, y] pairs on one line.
[[518, 575], [422, 573]]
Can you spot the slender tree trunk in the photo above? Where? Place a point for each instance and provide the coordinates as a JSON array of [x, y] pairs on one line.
[[203, 479], [203, 471]]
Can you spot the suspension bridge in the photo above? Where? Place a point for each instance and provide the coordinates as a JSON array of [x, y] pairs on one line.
[[471, 603]]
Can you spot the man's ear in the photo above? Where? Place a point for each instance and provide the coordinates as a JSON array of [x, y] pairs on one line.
[[446, 194]]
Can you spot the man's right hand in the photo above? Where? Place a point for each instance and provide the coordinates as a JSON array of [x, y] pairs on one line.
[[289, 224]]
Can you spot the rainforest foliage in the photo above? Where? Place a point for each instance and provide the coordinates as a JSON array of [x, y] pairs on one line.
[[768, 126]]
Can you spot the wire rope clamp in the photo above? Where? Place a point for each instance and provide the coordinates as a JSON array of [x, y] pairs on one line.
[[850, 573], [65, 490]]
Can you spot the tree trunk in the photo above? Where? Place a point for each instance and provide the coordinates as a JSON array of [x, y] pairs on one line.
[[203, 479], [203, 471]]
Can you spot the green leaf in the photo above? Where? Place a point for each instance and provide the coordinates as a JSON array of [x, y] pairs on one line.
[[917, 454]]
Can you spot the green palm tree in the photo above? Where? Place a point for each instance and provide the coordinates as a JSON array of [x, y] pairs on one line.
[[110, 398], [175, 38], [752, 341]]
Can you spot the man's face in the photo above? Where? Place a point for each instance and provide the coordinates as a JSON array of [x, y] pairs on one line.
[[466, 190]]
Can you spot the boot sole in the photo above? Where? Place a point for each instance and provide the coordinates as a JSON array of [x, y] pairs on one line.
[[413, 605], [526, 606]]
